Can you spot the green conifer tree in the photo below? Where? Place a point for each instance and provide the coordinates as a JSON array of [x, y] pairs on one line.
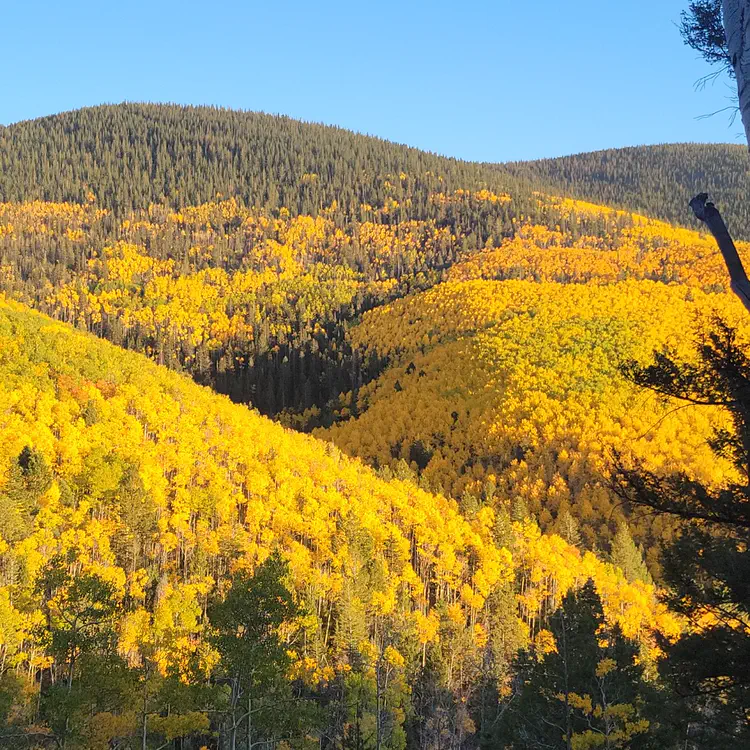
[[707, 568], [626, 555]]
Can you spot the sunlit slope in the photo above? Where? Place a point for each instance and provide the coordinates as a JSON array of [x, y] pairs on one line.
[[623, 246], [252, 301], [218, 476], [163, 487], [513, 389]]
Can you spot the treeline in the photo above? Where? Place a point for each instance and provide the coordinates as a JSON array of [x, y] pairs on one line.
[[243, 688], [654, 180]]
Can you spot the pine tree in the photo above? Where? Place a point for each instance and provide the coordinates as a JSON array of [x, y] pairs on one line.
[[627, 556], [707, 568], [568, 527], [580, 687]]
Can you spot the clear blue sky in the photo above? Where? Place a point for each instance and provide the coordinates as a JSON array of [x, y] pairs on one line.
[[489, 80]]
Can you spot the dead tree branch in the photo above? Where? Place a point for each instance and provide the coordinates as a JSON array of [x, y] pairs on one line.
[[710, 216]]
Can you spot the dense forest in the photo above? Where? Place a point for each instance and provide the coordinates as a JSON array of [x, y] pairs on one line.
[[654, 180], [256, 301], [510, 371], [142, 600], [531, 404], [519, 514], [129, 156]]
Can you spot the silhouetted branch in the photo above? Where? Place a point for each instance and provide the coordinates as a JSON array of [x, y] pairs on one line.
[[710, 216]]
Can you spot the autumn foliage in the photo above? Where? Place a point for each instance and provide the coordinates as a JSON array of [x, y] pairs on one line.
[[159, 488], [466, 401]]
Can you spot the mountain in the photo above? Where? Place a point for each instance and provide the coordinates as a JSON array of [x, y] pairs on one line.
[[176, 567], [128, 156], [262, 302], [264, 306], [658, 181], [151, 491], [302, 229]]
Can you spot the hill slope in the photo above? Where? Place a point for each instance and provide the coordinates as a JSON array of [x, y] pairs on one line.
[[654, 180], [128, 156], [131, 155], [505, 379], [252, 301], [115, 468]]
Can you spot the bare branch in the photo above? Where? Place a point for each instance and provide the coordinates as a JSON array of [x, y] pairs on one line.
[[710, 216]]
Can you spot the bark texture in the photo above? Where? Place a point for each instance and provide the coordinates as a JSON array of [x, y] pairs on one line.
[[737, 28]]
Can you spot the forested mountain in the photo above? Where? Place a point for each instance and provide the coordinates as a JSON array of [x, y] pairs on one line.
[[128, 156], [506, 378], [258, 300], [176, 570], [131, 155], [654, 180], [133, 508]]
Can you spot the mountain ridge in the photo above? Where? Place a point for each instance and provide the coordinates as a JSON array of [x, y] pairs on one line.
[[656, 180], [129, 155]]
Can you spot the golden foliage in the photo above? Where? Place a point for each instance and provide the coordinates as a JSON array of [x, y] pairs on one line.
[[150, 467]]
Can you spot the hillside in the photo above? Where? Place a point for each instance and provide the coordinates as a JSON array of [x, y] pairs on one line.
[[175, 567], [654, 180], [262, 307], [131, 155], [505, 380], [152, 490], [239, 247], [250, 301], [259, 302], [128, 156]]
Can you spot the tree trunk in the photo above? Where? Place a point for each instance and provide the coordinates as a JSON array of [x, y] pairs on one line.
[[709, 214], [568, 722], [249, 720], [378, 700], [736, 15], [235, 700]]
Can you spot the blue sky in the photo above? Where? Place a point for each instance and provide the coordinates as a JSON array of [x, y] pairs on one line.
[[485, 80]]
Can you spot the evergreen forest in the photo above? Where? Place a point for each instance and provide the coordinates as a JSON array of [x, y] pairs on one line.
[[653, 180]]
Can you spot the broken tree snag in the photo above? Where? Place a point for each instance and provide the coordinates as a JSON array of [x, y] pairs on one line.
[[710, 216], [736, 16]]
